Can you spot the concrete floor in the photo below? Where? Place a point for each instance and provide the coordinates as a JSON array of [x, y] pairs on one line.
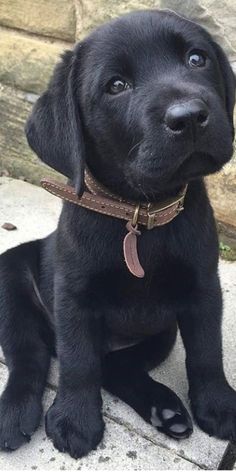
[[129, 442]]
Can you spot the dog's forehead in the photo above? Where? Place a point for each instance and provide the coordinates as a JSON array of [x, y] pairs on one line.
[[132, 34]]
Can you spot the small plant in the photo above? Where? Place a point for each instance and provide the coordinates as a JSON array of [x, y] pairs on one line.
[[226, 252], [224, 247]]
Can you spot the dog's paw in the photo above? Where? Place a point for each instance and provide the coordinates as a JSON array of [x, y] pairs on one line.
[[175, 423], [170, 417], [18, 420], [215, 411], [76, 432]]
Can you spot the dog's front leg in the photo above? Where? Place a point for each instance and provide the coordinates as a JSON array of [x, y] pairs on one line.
[[74, 421], [213, 400]]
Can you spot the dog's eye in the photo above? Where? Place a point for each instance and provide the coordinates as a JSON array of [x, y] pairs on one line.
[[196, 59], [117, 85]]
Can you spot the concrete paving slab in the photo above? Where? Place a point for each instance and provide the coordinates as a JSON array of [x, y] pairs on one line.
[[121, 449], [32, 210], [199, 448], [228, 278], [35, 213]]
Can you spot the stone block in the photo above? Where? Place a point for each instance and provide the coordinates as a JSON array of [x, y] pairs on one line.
[[55, 18], [27, 62], [92, 13], [15, 155], [218, 18]]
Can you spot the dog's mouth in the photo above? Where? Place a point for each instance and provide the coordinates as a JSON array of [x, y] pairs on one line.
[[164, 162], [151, 177], [195, 166]]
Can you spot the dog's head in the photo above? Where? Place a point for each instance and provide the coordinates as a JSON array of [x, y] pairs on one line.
[[146, 101]]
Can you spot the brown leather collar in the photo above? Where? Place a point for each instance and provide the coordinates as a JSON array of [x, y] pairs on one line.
[[100, 199]]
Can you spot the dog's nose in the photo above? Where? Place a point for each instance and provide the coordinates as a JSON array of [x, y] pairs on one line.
[[182, 116]]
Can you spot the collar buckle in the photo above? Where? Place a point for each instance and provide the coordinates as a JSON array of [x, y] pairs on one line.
[[151, 217], [153, 210]]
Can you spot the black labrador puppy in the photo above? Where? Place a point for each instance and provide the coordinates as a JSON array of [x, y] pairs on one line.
[[146, 101]]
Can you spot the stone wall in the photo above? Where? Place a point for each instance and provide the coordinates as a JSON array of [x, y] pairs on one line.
[[33, 34]]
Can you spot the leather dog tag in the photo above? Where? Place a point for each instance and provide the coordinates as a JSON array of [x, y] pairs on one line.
[[131, 252]]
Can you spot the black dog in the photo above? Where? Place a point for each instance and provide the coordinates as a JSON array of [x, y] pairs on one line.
[[147, 102]]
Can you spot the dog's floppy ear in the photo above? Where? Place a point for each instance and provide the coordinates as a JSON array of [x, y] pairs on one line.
[[54, 129], [229, 82]]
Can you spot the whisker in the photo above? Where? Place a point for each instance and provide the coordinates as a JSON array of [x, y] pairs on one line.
[[134, 147], [143, 192]]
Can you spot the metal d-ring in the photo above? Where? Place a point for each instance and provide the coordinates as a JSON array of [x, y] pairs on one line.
[[135, 216]]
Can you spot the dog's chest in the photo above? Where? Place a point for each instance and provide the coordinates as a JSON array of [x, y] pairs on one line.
[[136, 307]]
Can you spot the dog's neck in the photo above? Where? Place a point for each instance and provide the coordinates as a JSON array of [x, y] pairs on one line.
[[120, 186], [100, 199]]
